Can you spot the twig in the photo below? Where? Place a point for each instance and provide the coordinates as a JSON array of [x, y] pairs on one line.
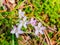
[[58, 43], [56, 34], [47, 37]]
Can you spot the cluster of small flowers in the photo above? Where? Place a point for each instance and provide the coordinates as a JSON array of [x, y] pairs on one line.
[[39, 28], [23, 22]]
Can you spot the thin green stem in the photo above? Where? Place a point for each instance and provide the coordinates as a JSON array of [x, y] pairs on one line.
[[12, 39]]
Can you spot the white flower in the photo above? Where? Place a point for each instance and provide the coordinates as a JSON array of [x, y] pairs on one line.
[[13, 30], [22, 23], [39, 24], [32, 22], [36, 30], [21, 14], [19, 26], [39, 29], [16, 32]]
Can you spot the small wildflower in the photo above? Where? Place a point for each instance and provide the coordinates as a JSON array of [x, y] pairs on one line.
[[25, 22], [32, 22], [19, 26], [22, 23], [36, 30], [39, 29], [39, 24], [13, 30], [21, 14], [16, 32]]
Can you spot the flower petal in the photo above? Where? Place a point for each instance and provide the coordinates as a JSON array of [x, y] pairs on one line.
[[36, 32], [12, 31], [24, 19], [20, 32], [36, 28], [17, 35], [41, 31], [25, 25], [39, 24], [43, 28], [32, 22], [19, 26], [21, 14]]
